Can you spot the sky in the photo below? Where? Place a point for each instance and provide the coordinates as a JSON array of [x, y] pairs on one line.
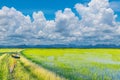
[[44, 22]]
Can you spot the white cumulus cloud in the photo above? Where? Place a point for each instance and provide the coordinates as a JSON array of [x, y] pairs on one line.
[[97, 25]]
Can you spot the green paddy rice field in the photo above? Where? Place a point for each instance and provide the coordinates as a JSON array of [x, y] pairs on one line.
[[60, 64]]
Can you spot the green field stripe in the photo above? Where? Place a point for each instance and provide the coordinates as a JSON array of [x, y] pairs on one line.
[[30, 72], [26, 68], [4, 71], [20, 73], [2, 56], [40, 72]]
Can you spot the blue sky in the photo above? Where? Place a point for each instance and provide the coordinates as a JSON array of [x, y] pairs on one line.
[[48, 7], [80, 22]]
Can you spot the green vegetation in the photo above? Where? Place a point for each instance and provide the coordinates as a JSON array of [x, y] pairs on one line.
[[1, 54], [4, 72], [78, 64], [22, 69], [3, 50], [11, 69], [60, 64]]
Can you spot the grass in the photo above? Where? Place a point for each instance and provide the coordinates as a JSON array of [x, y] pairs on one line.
[[19, 72], [23, 69], [1, 54], [4, 71], [39, 72], [78, 64], [60, 64], [5, 50]]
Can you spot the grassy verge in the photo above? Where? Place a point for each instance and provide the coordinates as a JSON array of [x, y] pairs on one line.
[[4, 71], [39, 72], [12, 69], [3, 50], [1, 54], [20, 73]]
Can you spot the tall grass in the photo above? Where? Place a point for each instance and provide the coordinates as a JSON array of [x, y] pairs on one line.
[[39, 72], [7, 63], [78, 64], [61, 64], [3, 50], [20, 73], [4, 71], [23, 69]]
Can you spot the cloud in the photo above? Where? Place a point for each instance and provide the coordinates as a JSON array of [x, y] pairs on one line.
[[97, 25], [98, 21], [66, 22]]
